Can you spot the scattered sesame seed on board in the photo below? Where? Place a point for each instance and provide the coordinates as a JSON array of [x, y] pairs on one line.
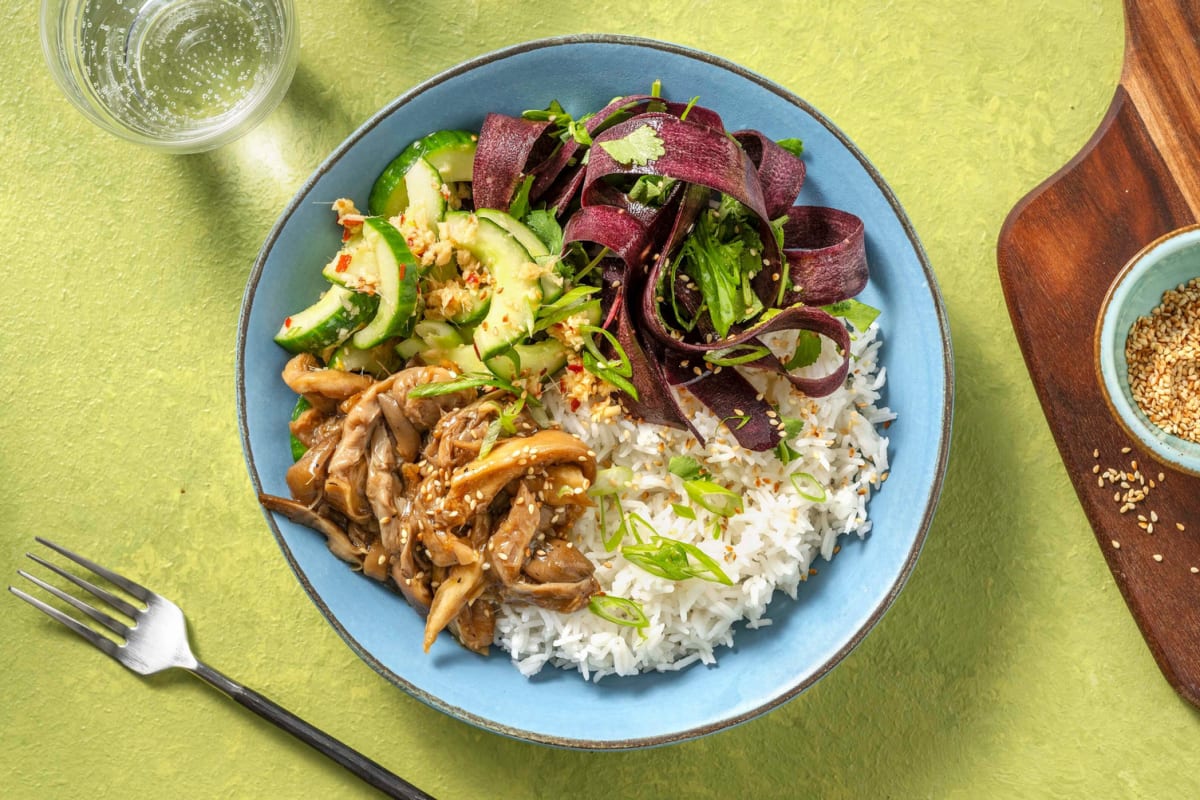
[[1194, 570], [1116, 545], [1179, 525], [1158, 557]]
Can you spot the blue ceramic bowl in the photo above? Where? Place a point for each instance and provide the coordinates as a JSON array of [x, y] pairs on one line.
[[833, 612], [1164, 264]]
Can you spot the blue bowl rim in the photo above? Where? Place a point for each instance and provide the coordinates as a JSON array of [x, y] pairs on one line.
[[1120, 405], [947, 399]]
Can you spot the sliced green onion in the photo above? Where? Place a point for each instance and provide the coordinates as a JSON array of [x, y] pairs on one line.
[[594, 366], [669, 279], [622, 367], [618, 535], [670, 559], [692, 102], [508, 415], [619, 610], [632, 521], [572, 303], [662, 558], [683, 511], [489, 438], [741, 421], [591, 265], [808, 487], [470, 380], [713, 497], [729, 357]]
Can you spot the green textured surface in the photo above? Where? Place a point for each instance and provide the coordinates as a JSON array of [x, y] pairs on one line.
[[1009, 666]]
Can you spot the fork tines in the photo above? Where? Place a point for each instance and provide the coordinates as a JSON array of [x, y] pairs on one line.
[[114, 602]]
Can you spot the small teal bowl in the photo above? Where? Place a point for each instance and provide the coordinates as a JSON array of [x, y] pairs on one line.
[[1162, 265]]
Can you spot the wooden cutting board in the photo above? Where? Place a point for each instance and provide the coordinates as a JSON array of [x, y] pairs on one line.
[[1136, 179]]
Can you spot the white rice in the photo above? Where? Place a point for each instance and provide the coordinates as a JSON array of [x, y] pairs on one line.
[[768, 547]]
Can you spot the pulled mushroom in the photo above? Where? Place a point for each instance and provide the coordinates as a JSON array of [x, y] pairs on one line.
[[421, 492]]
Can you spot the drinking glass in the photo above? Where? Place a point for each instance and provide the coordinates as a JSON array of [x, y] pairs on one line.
[[180, 75]]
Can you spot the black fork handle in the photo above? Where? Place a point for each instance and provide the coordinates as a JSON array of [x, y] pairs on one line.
[[314, 737]]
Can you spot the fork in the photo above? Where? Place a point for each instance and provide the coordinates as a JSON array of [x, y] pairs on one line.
[[158, 640]]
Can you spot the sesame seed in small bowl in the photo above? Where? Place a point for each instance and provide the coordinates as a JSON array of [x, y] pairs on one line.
[[1148, 349]]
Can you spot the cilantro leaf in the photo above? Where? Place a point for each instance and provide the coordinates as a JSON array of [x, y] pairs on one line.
[[544, 224], [722, 256], [808, 350], [640, 146], [519, 206], [685, 467], [793, 146], [857, 313], [651, 189]]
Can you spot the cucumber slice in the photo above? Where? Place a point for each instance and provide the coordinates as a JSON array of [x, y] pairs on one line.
[[398, 271], [354, 267], [517, 292], [426, 203], [552, 282], [473, 308], [379, 362], [328, 321], [410, 347], [451, 153], [437, 334], [298, 447], [536, 359]]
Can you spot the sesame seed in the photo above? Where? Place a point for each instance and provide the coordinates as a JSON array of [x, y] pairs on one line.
[[1161, 353], [1116, 545], [1158, 556], [1194, 570], [1126, 450], [1179, 525], [1154, 516], [1096, 453], [1096, 469]]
